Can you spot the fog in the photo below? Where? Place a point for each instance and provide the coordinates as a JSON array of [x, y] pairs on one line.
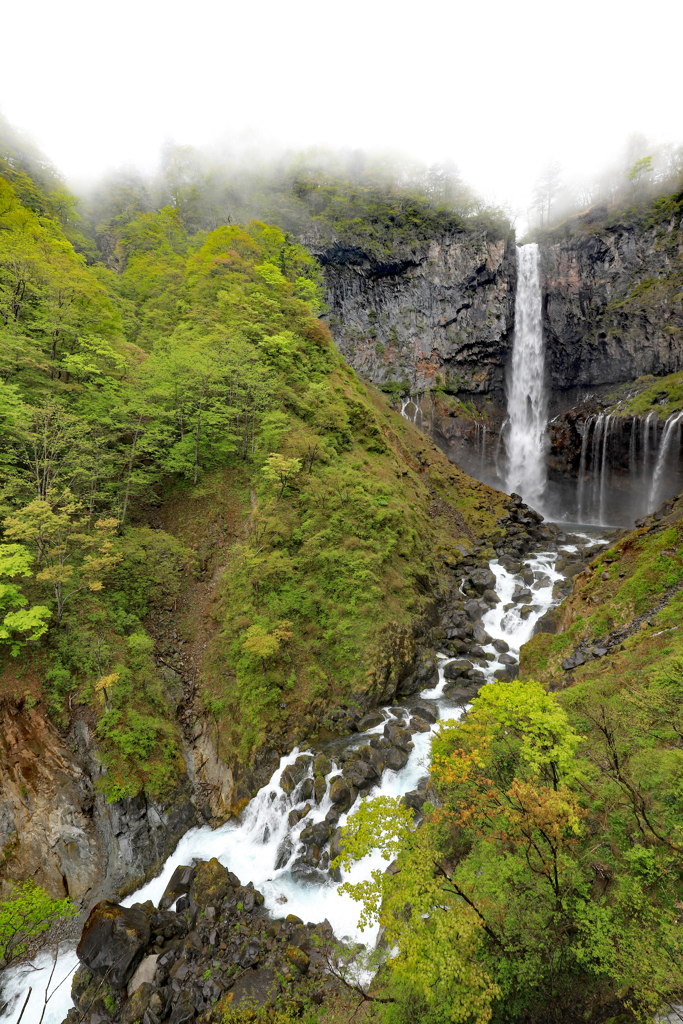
[[500, 89]]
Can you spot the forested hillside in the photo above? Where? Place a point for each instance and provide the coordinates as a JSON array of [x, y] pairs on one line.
[[185, 418]]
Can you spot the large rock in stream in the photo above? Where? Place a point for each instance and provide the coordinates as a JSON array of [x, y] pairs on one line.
[[114, 941]]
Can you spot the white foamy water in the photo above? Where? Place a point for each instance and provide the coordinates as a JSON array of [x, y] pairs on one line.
[[527, 406], [261, 848]]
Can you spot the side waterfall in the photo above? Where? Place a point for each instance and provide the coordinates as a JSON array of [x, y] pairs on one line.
[[527, 404], [582, 463], [673, 421]]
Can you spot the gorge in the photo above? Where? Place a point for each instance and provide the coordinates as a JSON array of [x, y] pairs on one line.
[[440, 330], [341, 577]]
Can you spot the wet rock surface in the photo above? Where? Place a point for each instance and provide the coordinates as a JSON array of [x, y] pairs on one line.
[[219, 945]]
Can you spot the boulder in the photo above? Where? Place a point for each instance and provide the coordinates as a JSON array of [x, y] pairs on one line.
[[179, 885], [455, 669], [296, 816], [418, 724], [253, 990], [574, 569], [360, 773], [113, 942], [501, 646], [211, 884], [398, 736], [316, 834], [415, 799], [573, 662], [307, 789], [483, 579], [339, 789], [491, 597], [294, 773], [183, 1011], [549, 623], [134, 1009], [145, 972], [321, 765], [507, 659], [370, 720], [319, 788], [426, 713], [474, 610], [373, 756], [336, 844], [480, 635], [297, 958], [396, 759], [410, 685], [379, 742]]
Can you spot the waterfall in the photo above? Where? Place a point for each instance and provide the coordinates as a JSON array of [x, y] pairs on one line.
[[413, 400], [526, 398], [646, 445], [632, 449], [673, 421], [503, 427], [604, 470], [595, 461], [582, 463]]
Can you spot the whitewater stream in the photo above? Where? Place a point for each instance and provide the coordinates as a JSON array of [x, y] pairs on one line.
[[260, 847]]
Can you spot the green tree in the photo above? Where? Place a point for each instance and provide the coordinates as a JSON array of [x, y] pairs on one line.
[[73, 559], [21, 623], [504, 916], [263, 643], [27, 914]]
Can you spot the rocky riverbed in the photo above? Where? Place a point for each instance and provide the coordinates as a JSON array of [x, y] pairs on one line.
[[156, 960]]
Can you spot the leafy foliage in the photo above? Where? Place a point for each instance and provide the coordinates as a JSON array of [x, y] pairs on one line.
[[498, 909], [25, 915]]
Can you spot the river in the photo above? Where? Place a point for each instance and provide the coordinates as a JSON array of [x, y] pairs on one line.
[[261, 848]]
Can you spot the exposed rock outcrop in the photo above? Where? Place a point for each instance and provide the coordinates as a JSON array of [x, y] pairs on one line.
[[56, 829], [435, 311], [612, 303], [219, 948]]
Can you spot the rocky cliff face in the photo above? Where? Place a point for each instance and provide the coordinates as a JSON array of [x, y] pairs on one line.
[[443, 311], [612, 303], [56, 829], [436, 311]]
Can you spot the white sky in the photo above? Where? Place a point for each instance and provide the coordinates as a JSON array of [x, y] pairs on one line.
[[499, 87]]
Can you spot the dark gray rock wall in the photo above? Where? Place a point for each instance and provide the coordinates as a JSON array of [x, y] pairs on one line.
[[437, 311], [612, 305], [442, 311]]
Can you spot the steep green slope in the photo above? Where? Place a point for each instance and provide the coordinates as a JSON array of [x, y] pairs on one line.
[[196, 389], [660, 395]]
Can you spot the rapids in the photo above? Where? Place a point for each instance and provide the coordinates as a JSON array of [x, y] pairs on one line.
[[261, 848]]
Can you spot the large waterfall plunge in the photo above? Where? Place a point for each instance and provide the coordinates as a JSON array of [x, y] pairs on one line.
[[527, 405]]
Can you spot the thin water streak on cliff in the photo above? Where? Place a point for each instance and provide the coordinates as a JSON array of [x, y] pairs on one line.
[[582, 464], [647, 448], [595, 458], [673, 422], [604, 469]]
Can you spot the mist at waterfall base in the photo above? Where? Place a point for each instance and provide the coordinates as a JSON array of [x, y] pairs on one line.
[[619, 478], [260, 847]]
